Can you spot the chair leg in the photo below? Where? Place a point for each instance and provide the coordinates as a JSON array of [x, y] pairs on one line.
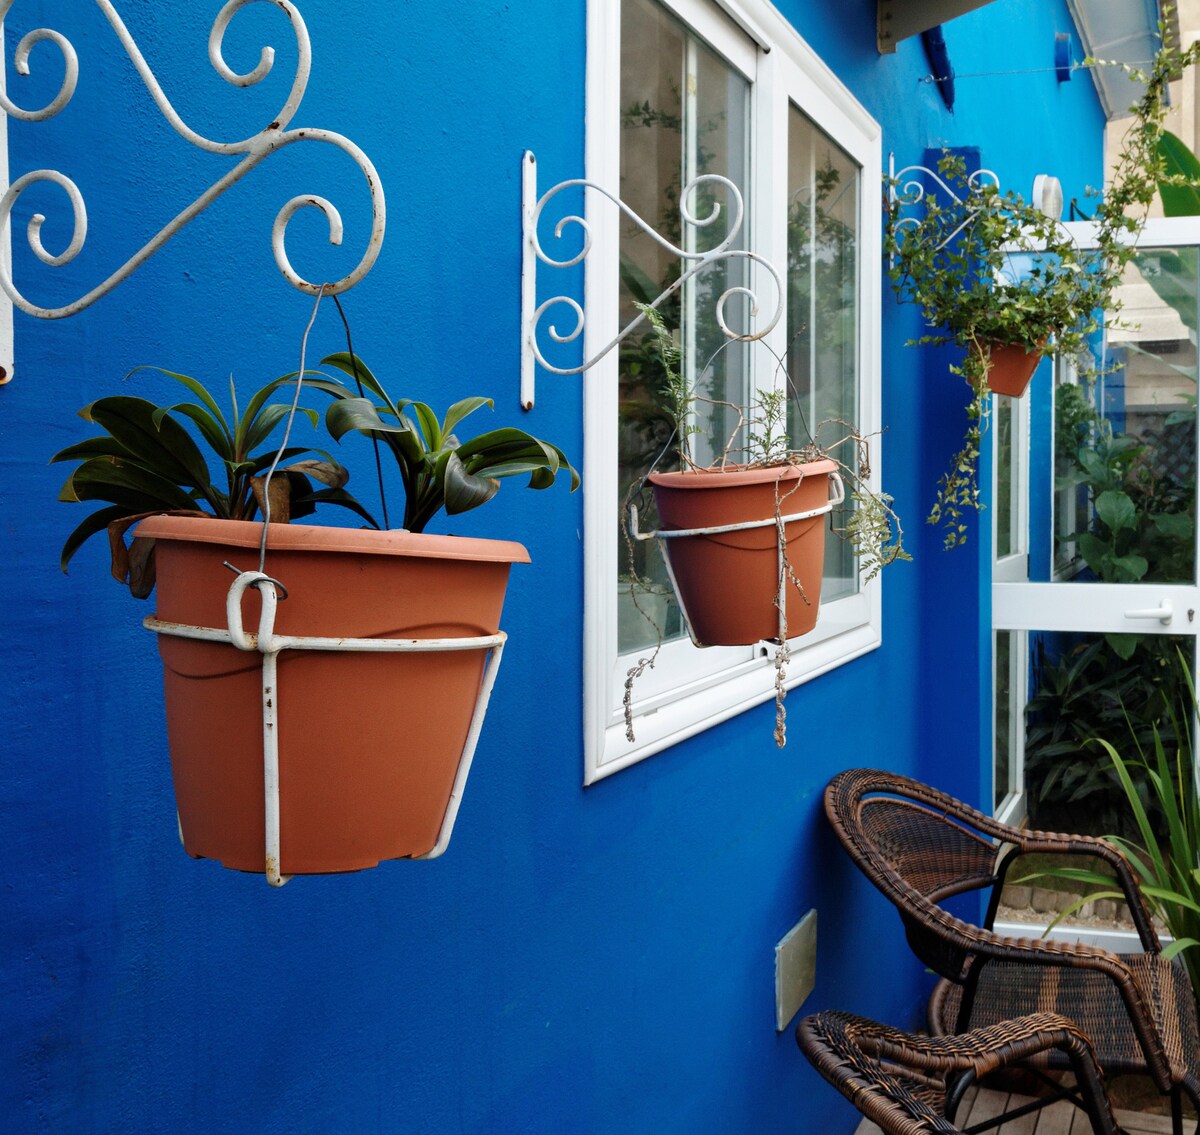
[[956, 1089], [1176, 1111]]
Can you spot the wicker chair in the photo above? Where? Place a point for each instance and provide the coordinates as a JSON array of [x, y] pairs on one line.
[[911, 1085], [920, 847]]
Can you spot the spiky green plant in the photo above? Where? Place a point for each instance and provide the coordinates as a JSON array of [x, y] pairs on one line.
[[1168, 867], [147, 461], [438, 470]]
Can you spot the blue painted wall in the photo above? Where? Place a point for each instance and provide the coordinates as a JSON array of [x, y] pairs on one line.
[[587, 961]]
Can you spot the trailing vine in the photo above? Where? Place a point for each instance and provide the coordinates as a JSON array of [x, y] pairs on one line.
[[956, 263]]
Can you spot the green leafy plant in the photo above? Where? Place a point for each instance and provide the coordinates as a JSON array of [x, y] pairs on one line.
[[956, 263], [758, 438], [147, 461], [1166, 854], [1084, 690], [1139, 528], [438, 470], [1178, 177]]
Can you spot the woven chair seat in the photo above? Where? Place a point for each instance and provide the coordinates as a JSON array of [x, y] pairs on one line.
[[1089, 999]]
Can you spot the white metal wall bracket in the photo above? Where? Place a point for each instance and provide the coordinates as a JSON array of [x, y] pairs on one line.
[[532, 208], [911, 192], [252, 150], [1047, 193]]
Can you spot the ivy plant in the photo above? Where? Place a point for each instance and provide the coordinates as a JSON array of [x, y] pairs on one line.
[[955, 261]]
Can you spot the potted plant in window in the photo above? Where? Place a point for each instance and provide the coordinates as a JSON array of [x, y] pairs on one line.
[[371, 742], [744, 536], [955, 261]]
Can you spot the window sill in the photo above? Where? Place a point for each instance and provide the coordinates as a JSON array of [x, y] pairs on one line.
[[846, 631]]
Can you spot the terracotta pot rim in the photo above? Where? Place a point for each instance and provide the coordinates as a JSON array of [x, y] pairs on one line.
[[1038, 349], [734, 475], [319, 538]]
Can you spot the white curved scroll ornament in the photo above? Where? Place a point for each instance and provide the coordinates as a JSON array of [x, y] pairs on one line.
[[532, 208], [257, 147], [911, 193]]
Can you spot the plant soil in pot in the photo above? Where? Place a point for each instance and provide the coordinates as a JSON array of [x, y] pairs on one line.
[[1011, 366], [369, 743], [728, 582]]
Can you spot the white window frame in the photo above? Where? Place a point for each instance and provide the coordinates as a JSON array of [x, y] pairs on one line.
[[691, 690]]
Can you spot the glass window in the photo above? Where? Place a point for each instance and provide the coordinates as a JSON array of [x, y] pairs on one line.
[[696, 94], [684, 112], [822, 308]]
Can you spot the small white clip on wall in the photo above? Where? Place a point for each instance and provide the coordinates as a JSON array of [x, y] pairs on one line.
[[533, 208]]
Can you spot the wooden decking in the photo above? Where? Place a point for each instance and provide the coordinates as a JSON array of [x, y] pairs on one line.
[[1058, 1119]]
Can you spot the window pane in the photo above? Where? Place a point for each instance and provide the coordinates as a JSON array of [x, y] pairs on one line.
[[684, 112], [822, 322], [1123, 689], [1125, 438], [1006, 516]]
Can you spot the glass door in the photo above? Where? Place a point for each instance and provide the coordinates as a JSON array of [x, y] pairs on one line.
[[1091, 636]]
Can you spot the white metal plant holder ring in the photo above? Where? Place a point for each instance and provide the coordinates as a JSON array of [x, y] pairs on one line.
[[270, 645]]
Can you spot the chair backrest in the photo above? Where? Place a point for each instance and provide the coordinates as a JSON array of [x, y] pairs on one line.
[[918, 846], [902, 1082]]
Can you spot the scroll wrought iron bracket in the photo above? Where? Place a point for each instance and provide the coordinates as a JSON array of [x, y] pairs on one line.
[[532, 209], [906, 189], [253, 150]]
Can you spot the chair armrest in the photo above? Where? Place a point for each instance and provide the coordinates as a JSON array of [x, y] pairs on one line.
[[846, 790], [982, 1050], [1049, 843], [988, 945]]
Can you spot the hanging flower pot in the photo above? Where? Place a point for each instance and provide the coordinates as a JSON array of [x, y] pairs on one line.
[[1011, 366], [371, 744], [726, 571]]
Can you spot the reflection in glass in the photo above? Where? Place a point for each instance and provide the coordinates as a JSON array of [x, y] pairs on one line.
[[684, 112], [1121, 688], [1125, 437], [1006, 519], [822, 322], [1002, 773]]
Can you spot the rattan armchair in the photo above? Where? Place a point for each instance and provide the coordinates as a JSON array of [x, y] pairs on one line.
[[911, 1085], [921, 847]]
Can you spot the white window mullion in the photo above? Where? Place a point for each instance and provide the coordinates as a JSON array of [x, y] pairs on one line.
[[602, 273]]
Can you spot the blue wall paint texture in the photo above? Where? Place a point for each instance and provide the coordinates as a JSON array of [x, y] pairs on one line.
[[581, 960]]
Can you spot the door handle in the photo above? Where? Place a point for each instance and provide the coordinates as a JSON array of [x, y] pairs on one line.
[[1164, 612]]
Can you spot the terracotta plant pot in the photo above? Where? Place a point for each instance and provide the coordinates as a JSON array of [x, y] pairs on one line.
[[1012, 366], [727, 583], [369, 743]]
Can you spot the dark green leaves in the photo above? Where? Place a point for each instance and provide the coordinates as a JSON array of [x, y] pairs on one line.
[[437, 470], [148, 460], [1179, 177]]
